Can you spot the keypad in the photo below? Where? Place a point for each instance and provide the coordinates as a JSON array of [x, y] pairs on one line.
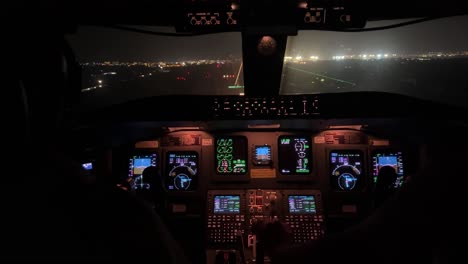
[[305, 228], [223, 229]]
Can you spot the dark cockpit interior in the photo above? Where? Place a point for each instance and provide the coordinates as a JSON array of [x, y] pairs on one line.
[[235, 132]]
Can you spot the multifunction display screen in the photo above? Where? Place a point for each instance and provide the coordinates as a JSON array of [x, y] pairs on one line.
[[302, 204], [182, 171], [231, 155], [391, 159], [262, 155], [294, 155], [226, 204], [137, 164], [346, 169]]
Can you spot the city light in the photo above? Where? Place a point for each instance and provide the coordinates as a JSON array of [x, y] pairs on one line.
[[110, 74], [338, 57]]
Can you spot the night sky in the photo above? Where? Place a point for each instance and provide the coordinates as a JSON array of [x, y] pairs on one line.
[[101, 44]]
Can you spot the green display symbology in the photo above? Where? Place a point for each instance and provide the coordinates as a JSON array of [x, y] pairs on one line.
[[230, 156], [294, 155]]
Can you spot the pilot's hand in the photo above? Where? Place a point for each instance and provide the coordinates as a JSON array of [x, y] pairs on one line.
[[273, 234]]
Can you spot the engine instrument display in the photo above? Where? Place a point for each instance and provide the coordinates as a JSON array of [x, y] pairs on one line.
[[226, 204], [262, 155], [231, 155], [391, 159], [182, 171], [137, 164], [346, 169], [294, 155], [302, 204]]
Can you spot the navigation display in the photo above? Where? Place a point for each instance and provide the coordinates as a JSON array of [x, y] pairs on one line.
[[137, 164], [294, 155], [262, 155], [391, 159], [301, 204], [346, 169], [182, 171], [226, 204], [231, 155]]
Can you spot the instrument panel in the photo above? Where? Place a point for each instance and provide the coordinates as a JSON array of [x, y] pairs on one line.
[[337, 161], [314, 182]]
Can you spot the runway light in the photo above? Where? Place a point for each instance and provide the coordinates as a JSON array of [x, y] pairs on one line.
[[299, 58], [386, 55]]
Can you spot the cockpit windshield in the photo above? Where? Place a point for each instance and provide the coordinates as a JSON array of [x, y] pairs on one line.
[[426, 61], [118, 66]]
